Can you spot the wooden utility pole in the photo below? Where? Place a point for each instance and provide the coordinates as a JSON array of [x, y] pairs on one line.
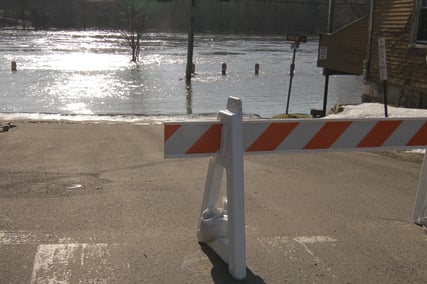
[[331, 18]]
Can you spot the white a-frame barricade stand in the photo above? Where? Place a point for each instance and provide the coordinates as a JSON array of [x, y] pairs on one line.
[[223, 229], [226, 140]]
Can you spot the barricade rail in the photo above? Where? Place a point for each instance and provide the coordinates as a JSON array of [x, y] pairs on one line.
[[227, 139]]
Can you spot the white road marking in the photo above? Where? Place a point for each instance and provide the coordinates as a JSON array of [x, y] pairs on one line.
[[29, 238], [314, 239], [62, 260], [50, 256], [317, 259], [287, 244], [71, 263], [304, 240], [196, 263], [289, 247], [279, 241]]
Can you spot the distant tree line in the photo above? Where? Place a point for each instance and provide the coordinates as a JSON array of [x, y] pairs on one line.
[[233, 16]]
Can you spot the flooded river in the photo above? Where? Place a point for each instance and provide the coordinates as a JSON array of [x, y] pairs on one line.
[[90, 73]]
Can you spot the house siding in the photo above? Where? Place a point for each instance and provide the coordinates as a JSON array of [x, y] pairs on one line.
[[406, 64], [344, 50]]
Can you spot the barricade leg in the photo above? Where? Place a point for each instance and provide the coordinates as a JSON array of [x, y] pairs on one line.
[[205, 231], [213, 183], [235, 198], [420, 208], [223, 229]]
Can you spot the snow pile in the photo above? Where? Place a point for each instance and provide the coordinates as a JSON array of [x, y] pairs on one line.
[[376, 110]]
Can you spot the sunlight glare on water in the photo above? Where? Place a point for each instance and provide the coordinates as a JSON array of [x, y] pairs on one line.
[[90, 73]]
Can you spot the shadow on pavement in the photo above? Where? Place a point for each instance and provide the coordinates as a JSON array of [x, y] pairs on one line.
[[220, 269]]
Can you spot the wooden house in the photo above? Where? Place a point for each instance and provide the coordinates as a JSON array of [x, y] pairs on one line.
[[354, 49]]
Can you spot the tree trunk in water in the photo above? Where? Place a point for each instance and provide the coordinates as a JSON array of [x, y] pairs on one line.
[[135, 51], [134, 59]]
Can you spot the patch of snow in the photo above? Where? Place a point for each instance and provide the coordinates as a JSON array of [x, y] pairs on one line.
[[376, 110]]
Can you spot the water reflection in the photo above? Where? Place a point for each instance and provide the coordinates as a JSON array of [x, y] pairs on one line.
[[189, 97], [90, 72], [77, 108]]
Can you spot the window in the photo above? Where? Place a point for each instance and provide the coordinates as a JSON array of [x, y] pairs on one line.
[[422, 23]]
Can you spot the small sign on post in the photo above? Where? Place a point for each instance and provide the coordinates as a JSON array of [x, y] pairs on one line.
[[295, 45], [296, 38], [323, 53], [382, 55], [382, 60]]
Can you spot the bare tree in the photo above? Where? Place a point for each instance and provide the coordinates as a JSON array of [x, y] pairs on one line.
[[23, 10], [137, 13]]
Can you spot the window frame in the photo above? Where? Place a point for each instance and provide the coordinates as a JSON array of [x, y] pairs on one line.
[[421, 20]]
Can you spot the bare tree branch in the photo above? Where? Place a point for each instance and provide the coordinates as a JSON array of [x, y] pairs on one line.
[[137, 17]]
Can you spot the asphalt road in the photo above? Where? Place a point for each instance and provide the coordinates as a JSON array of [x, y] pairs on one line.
[[97, 203]]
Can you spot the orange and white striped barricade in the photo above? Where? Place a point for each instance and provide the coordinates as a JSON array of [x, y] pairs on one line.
[[229, 138]]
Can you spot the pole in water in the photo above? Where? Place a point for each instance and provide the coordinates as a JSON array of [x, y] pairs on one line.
[[193, 68], [190, 47], [224, 69], [292, 71], [13, 66], [256, 69]]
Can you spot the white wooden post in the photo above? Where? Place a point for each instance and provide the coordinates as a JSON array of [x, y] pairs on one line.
[[420, 208]]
